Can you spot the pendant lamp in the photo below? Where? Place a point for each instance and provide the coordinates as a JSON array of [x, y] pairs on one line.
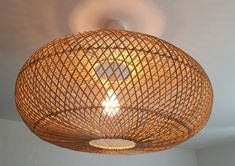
[[113, 91]]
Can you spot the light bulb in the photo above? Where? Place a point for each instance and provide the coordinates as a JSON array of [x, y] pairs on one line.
[[111, 104]]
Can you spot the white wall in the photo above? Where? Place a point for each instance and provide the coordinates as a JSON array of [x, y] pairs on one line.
[[222, 155], [19, 147]]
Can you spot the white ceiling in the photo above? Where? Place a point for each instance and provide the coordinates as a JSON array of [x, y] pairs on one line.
[[204, 28]]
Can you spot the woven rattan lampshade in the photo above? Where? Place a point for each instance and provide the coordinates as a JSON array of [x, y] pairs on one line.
[[113, 91]]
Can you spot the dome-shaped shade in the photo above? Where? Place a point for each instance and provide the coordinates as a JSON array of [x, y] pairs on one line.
[[113, 91]]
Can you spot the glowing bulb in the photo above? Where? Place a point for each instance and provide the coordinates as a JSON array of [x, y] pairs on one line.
[[111, 104]]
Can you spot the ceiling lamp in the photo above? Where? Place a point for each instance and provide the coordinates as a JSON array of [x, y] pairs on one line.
[[113, 91]]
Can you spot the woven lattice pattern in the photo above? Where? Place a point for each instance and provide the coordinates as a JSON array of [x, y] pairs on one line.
[[159, 95]]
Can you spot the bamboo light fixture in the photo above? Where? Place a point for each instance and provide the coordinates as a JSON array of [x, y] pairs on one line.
[[114, 92]]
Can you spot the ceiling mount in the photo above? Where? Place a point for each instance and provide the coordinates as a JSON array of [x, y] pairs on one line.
[[111, 24], [93, 15]]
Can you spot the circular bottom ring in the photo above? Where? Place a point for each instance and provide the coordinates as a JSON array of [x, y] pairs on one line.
[[112, 144]]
